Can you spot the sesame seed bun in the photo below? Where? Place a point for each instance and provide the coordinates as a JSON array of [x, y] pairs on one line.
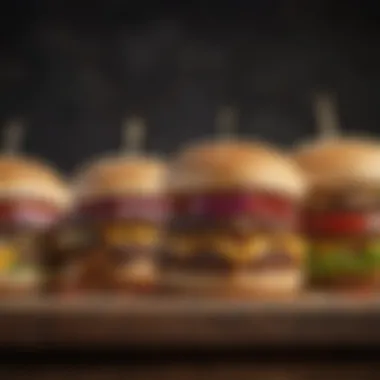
[[343, 161], [219, 165], [22, 176], [120, 175]]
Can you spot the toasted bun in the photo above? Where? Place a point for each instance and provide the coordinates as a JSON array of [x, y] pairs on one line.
[[340, 161], [221, 165], [27, 177], [117, 176]]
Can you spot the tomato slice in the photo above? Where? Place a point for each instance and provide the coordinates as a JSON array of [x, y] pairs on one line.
[[342, 222]]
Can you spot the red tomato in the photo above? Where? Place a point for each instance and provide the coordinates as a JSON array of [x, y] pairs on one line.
[[342, 222]]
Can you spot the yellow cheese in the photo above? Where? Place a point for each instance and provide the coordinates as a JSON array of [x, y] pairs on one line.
[[257, 246], [132, 234], [225, 246], [232, 248], [237, 249], [8, 256], [292, 244], [144, 235], [183, 245]]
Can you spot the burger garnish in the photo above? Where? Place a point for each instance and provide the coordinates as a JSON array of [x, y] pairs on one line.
[[235, 210], [342, 214]]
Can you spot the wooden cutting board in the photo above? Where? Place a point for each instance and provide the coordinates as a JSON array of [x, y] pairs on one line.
[[159, 321]]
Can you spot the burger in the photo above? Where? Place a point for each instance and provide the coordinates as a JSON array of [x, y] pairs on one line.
[[341, 217], [110, 240], [234, 226], [33, 197]]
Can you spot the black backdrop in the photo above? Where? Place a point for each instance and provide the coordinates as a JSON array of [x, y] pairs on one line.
[[74, 70]]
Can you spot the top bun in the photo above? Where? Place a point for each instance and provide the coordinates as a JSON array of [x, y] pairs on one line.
[[219, 165], [123, 175], [340, 162], [22, 176]]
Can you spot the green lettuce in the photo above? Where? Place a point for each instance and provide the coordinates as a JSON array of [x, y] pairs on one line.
[[343, 262]]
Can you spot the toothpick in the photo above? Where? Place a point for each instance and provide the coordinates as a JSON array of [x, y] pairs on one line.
[[134, 135], [12, 138], [326, 116], [226, 122]]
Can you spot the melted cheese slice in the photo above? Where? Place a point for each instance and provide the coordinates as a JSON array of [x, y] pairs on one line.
[[238, 249], [294, 245], [8, 256]]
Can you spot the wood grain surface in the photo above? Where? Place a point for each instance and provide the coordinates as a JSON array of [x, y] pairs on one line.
[[317, 321]]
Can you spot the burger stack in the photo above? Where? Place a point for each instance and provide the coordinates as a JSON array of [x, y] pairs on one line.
[[33, 198], [234, 227], [225, 217], [110, 240], [341, 218], [235, 221]]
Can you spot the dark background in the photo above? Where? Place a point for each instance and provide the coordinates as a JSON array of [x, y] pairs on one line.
[[74, 70]]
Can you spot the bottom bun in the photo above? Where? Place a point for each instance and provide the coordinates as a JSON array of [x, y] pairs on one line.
[[341, 284], [137, 272], [12, 290], [277, 283], [135, 278], [25, 282]]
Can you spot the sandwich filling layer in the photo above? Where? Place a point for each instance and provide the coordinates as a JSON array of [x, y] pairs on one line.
[[233, 232], [343, 226], [119, 236]]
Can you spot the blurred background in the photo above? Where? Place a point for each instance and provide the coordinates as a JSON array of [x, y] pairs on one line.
[[74, 70]]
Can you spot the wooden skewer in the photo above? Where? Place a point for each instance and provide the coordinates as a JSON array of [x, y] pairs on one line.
[[133, 135], [326, 116], [12, 139], [226, 122]]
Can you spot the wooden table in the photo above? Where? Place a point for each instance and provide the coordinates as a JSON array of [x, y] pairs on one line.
[[165, 338]]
